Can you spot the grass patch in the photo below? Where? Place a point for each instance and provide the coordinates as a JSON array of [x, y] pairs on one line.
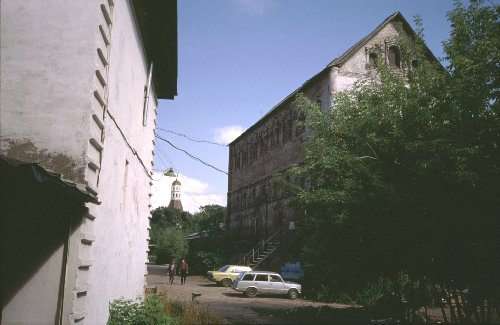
[[188, 313]]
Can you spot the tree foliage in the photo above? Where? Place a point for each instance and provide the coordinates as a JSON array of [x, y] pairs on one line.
[[211, 250], [402, 173], [170, 227]]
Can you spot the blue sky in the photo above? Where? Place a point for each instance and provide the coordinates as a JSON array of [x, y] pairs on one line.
[[239, 58]]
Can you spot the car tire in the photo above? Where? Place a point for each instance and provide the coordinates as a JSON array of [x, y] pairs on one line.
[[226, 282], [251, 292], [293, 294]]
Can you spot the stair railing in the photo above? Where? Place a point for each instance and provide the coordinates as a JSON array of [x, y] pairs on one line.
[[259, 250]]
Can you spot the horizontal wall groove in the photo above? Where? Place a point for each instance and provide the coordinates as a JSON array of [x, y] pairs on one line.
[[102, 57], [96, 144], [99, 98], [100, 78], [104, 35], [98, 121], [105, 13]]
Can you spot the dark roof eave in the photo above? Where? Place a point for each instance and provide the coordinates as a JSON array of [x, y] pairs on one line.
[[38, 174], [157, 22], [287, 99]]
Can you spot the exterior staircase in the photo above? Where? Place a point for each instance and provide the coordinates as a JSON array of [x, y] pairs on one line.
[[261, 251]]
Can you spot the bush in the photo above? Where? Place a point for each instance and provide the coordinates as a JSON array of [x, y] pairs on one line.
[[149, 312]]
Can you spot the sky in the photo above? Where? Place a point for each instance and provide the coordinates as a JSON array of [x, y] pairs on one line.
[[239, 58]]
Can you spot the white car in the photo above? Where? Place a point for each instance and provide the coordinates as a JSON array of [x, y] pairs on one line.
[[263, 282]]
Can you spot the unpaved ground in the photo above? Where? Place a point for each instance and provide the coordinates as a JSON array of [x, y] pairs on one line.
[[230, 306]]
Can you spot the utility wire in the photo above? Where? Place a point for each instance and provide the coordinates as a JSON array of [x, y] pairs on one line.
[[134, 152], [166, 157], [191, 156], [191, 139]]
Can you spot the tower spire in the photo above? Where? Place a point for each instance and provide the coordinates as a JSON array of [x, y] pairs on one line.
[[175, 197]]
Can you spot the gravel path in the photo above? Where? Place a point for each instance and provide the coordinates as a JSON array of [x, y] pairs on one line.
[[230, 306]]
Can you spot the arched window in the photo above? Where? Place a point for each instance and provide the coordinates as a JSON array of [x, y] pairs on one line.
[[393, 56], [372, 60]]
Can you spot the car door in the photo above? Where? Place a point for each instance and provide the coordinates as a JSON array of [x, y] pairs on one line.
[[276, 285], [262, 283]]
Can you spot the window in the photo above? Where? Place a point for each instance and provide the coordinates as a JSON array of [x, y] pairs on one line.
[[147, 93], [372, 60], [393, 56], [287, 130], [300, 124], [261, 277]]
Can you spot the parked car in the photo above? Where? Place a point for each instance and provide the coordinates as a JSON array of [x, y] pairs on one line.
[[227, 274], [263, 282]]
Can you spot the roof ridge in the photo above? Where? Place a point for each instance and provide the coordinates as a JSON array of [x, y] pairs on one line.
[[353, 49]]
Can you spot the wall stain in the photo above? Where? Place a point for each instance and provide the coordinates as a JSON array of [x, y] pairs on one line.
[[56, 162]]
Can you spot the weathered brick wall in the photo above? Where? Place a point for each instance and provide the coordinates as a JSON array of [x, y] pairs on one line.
[[255, 206], [272, 145]]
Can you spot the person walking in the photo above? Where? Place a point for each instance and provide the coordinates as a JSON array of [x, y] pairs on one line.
[[184, 271], [171, 272]]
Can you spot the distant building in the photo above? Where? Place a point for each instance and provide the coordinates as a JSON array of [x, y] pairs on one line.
[[175, 196], [80, 82], [272, 145]]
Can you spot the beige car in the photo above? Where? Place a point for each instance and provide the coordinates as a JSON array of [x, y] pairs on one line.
[[227, 274]]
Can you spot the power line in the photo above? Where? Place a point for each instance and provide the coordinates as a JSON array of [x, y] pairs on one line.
[[191, 156], [191, 139]]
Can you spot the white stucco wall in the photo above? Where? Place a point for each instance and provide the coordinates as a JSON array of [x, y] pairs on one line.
[[119, 251], [58, 74], [47, 67]]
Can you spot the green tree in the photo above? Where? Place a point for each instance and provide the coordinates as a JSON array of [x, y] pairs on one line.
[[169, 228], [211, 250], [402, 172], [164, 217], [170, 244]]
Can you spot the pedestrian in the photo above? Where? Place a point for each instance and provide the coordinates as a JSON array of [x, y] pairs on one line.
[[171, 271], [184, 271]]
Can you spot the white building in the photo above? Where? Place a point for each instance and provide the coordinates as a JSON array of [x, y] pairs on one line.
[[77, 99]]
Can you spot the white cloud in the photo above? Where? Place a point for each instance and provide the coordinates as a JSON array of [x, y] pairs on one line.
[[252, 7], [194, 193], [227, 134]]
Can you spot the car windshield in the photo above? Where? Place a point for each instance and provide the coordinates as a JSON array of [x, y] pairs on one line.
[[224, 268]]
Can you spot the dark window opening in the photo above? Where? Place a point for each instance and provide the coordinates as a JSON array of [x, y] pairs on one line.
[[372, 60], [394, 58]]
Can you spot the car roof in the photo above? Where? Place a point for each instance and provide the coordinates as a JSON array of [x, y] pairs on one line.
[[240, 266], [262, 272]]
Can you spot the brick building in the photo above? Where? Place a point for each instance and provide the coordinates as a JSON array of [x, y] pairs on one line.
[[272, 145]]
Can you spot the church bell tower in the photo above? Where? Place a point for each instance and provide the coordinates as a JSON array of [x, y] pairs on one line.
[[175, 197]]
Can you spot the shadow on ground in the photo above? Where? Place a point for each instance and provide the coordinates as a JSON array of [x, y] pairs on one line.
[[320, 315]]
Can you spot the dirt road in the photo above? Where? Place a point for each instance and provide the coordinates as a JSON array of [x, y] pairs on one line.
[[233, 307]]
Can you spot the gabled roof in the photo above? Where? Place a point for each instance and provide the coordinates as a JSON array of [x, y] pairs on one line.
[[397, 16]]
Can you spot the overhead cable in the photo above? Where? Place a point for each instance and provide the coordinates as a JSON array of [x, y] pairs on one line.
[[191, 156], [191, 139]]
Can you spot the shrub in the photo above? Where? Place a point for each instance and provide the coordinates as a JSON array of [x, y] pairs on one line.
[[149, 312]]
